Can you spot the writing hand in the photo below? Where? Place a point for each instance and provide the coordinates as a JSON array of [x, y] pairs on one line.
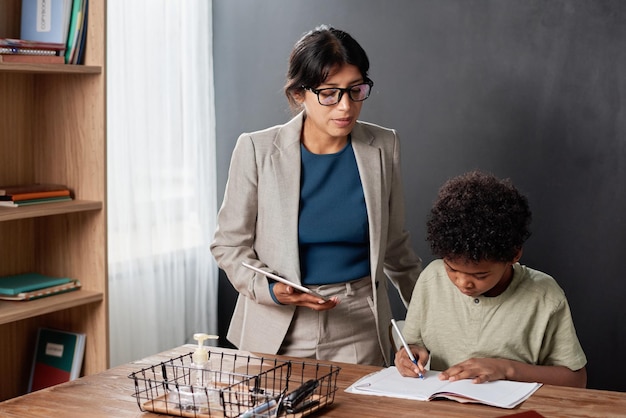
[[287, 295], [404, 364]]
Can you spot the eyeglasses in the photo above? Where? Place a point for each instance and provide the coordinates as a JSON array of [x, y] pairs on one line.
[[332, 96]]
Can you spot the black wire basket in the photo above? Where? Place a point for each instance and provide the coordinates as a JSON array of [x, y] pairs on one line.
[[235, 385]]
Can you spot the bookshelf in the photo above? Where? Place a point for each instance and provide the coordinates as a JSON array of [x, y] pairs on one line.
[[53, 130]]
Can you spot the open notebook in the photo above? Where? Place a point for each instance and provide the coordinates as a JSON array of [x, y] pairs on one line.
[[389, 382]]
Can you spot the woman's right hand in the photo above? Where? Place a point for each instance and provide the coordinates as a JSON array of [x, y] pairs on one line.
[[404, 364], [287, 295]]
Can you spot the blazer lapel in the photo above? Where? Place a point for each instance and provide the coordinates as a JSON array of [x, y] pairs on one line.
[[286, 160], [368, 159]]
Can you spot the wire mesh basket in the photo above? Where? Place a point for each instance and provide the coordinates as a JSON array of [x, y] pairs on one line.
[[235, 386]]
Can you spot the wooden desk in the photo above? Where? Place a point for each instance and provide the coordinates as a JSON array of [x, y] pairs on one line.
[[108, 394]]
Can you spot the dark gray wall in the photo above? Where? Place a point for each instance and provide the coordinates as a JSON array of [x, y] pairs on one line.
[[534, 90]]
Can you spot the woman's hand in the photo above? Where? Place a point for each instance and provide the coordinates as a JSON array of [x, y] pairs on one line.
[[287, 295], [404, 364]]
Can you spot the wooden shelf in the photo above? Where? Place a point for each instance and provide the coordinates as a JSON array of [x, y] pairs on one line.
[[53, 130], [11, 311], [50, 68], [48, 209]]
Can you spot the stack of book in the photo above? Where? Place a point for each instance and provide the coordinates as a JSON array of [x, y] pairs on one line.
[[52, 32], [33, 194], [28, 286], [21, 51]]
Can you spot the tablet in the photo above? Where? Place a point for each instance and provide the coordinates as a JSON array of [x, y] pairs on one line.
[[287, 282]]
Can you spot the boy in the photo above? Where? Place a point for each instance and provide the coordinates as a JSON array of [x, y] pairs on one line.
[[476, 311]]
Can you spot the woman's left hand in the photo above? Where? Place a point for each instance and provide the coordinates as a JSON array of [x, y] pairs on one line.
[[287, 295]]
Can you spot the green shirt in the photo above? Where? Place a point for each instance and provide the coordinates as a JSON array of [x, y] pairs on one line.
[[529, 322]]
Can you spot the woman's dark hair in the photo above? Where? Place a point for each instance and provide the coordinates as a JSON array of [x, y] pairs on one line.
[[478, 217], [315, 55]]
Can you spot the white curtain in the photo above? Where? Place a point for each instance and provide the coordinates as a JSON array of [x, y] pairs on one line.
[[161, 175]]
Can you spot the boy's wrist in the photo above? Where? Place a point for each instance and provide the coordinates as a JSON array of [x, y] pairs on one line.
[[510, 371]]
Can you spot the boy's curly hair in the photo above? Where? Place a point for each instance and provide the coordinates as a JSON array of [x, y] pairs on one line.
[[478, 217]]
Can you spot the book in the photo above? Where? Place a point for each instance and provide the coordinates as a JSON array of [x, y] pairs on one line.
[[11, 47], [524, 414], [58, 358], [76, 23], [45, 20], [32, 59], [30, 188], [15, 197], [80, 53], [20, 203], [27, 282], [44, 292], [389, 382]]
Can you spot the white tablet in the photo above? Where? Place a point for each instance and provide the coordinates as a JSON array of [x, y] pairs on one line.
[[287, 282]]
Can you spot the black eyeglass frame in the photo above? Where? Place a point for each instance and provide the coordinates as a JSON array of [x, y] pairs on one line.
[[341, 92]]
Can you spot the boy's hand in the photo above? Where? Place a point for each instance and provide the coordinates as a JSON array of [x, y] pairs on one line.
[[404, 364], [480, 370]]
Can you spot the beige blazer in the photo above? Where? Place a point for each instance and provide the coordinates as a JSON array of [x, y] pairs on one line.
[[258, 224]]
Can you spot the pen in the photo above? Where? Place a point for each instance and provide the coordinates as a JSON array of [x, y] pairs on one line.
[[406, 346], [266, 406]]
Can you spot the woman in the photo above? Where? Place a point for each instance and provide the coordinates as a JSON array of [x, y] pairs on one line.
[[319, 201]]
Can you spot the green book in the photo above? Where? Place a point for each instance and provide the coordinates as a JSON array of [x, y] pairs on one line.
[[27, 282], [74, 28], [12, 204], [58, 358]]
